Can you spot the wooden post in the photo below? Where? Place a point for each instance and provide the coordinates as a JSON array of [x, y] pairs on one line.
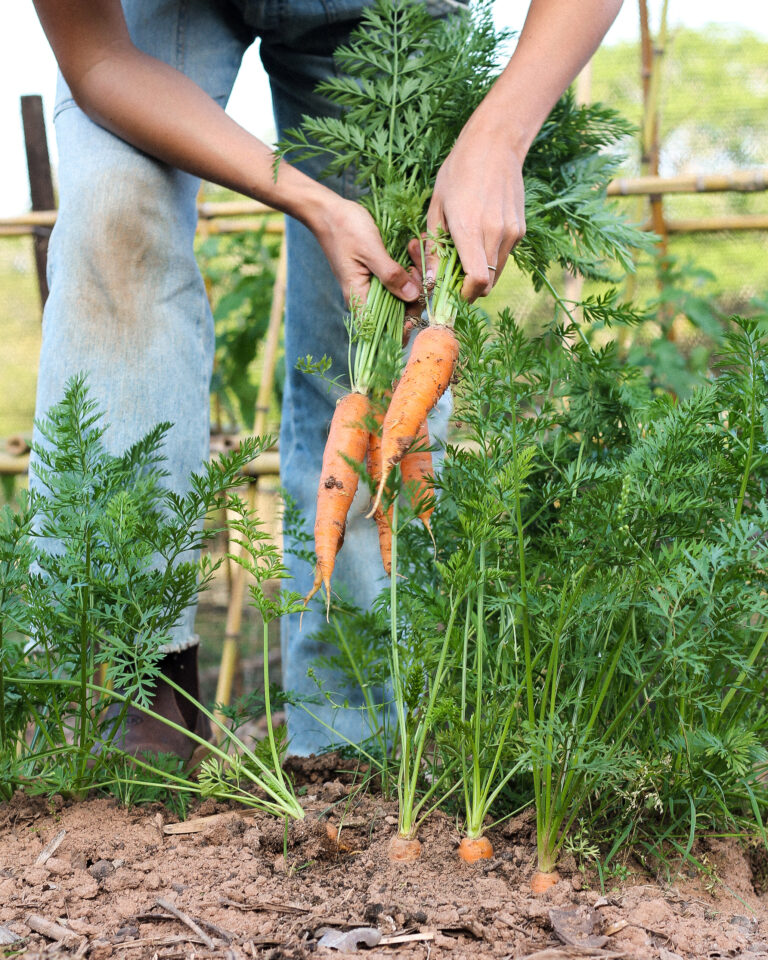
[[650, 76], [40, 180], [233, 629], [653, 54]]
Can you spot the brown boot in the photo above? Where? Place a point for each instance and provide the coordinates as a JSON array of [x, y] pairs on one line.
[[140, 733]]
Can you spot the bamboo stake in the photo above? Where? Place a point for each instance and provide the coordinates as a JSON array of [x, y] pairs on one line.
[[650, 77], [734, 221], [207, 210], [738, 181], [266, 465], [234, 622], [651, 145]]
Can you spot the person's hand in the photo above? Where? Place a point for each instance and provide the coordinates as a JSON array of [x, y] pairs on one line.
[[479, 200], [354, 248]]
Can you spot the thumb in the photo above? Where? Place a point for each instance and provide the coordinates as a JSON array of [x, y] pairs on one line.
[[394, 277]]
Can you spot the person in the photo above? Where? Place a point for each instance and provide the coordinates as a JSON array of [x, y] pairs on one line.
[[139, 119]]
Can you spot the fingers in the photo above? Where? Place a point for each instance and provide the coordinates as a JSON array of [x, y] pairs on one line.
[[436, 224], [414, 252], [394, 277], [483, 243], [484, 253]]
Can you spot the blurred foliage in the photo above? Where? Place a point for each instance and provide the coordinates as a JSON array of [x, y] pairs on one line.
[[713, 102], [239, 272]]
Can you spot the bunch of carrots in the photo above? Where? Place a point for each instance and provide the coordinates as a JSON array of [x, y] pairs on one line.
[[409, 83], [359, 435]]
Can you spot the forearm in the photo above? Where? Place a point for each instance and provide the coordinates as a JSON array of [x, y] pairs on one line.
[[557, 40], [163, 113], [479, 197]]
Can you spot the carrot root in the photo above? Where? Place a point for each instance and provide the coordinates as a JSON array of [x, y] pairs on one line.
[[541, 881], [347, 440], [383, 518], [472, 849], [404, 850], [415, 468], [426, 376]]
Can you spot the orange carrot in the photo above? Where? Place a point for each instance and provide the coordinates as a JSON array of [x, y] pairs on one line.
[[415, 467], [472, 849], [424, 380], [541, 882], [348, 437], [383, 519], [403, 849]]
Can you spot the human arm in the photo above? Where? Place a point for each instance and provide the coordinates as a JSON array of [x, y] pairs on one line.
[[163, 113], [478, 196]]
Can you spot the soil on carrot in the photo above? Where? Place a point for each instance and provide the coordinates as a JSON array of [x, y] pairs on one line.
[[123, 883]]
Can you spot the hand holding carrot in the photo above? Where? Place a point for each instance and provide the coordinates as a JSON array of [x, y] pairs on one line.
[[478, 197], [354, 248], [479, 200]]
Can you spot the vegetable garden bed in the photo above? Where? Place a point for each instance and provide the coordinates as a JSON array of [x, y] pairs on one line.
[[564, 680], [258, 892]]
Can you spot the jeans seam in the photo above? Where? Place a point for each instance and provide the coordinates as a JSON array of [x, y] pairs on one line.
[[66, 104], [181, 25]]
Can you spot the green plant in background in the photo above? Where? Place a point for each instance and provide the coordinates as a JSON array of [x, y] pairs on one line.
[[96, 569], [239, 270]]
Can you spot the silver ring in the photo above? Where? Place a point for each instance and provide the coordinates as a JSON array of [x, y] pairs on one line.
[[495, 269]]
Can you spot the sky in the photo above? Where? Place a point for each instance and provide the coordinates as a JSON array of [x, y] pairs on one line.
[[27, 66]]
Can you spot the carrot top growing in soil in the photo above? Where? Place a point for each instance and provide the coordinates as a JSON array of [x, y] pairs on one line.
[[95, 569], [592, 635]]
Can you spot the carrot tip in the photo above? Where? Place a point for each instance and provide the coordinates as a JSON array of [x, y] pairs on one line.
[[428, 525]]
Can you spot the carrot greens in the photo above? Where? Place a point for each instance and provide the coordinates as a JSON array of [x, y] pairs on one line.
[[95, 569]]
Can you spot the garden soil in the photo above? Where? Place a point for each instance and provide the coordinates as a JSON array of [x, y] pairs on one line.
[[123, 883]]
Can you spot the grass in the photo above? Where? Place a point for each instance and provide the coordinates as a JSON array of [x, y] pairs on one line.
[[20, 342]]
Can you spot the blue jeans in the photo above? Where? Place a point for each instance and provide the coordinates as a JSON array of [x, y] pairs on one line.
[[128, 305]]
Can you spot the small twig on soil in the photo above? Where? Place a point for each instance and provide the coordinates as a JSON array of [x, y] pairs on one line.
[[187, 920], [469, 926], [154, 917], [509, 922], [270, 906], [407, 938], [572, 953], [266, 905], [52, 930], [156, 941], [50, 848], [8, 936], [82, 949]]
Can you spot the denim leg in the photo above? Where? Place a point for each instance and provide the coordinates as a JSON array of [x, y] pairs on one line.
[[127, 303], [297, 56]]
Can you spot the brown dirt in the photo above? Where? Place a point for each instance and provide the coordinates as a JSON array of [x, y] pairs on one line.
[[258, 892]]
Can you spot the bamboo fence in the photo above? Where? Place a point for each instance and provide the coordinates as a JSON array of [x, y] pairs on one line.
[[241, 216]]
